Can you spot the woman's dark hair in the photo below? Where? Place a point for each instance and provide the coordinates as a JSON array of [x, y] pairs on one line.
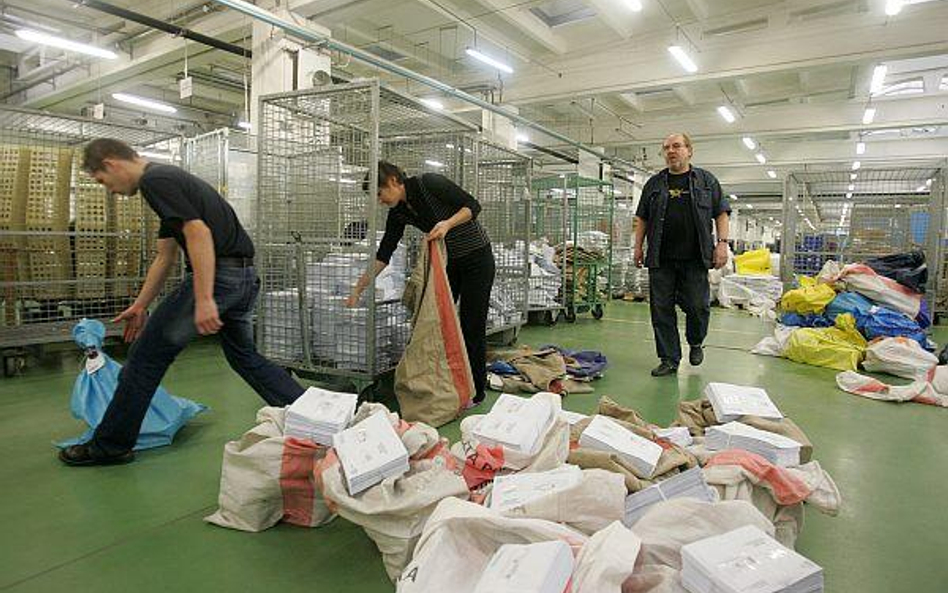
[[100, 149], [386, 171]]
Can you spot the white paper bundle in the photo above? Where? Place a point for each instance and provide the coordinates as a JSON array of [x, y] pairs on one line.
[[370, 452], [318, 414], [605, 434], [516, 423], [572, 417], [544, 567], [515, 490], [746, 560], [680, 435], [775, 448], [733, 401], [687, 484]]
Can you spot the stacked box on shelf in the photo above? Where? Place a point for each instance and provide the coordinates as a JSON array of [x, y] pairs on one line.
[[127, 225], [47, 222], [14, 175], [91, 226]]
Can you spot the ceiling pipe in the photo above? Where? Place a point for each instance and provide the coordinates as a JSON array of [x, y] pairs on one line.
[[382, 64], [163, 26]]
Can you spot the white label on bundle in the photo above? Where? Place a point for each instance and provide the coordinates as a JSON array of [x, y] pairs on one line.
[[94, 363], [743, 400], [368, 446], [544, 567], [623, 441], [516, 490], [515, 422]]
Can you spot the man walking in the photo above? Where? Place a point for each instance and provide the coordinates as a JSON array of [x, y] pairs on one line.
[[216, 296], [674, 217]]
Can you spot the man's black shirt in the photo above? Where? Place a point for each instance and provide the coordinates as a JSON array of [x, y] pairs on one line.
[[681, 235]]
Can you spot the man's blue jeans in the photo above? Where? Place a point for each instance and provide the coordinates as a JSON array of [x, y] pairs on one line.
[[167, 332], [682, 283]]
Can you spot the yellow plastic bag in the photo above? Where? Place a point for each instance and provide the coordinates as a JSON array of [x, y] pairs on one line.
[[841, 347], [753, 263], [809, 298]]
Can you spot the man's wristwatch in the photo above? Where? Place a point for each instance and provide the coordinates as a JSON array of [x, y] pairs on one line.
[[722, 240]]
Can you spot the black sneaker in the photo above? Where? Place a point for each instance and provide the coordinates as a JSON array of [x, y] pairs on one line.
[[80, 455], [665, 368], [696, 355]]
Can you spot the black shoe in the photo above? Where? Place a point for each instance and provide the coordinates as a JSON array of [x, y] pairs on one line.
[[696, 356], [665, 368], [83, 455]]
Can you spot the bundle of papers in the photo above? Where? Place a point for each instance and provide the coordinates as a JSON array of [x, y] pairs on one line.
[[730, 402], [775, 448], [318, 414], [572, 417], [746, 560], [515, 490], [516, 423], [680, 435], [370, 452], [687, 484], [544, 567], [605, 434]]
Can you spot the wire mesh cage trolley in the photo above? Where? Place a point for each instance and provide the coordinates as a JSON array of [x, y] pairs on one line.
[[587, 256], [228, 161], [67, 248], [318, 229], [548, 230]]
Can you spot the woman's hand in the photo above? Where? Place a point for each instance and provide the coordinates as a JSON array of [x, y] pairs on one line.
[[438, 231]]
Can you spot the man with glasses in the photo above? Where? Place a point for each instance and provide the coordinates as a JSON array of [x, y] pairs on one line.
[[674, 218]]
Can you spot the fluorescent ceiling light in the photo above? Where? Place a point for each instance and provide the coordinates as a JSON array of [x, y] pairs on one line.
[[244, 124], [433, 103], [66, 44], [851, 186], [849, 195], [860, 148], [634, 5], [852, 176], [771, 173], [154, 155], [725, 112], [856, 165], [868, 115], [489, 60], [143, 102], [523, 138], [893, 7], [760, 158], [434, 164], [749, 142], [878, 78], [683, 58]]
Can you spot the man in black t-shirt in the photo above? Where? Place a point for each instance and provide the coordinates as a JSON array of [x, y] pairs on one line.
[[217, 296], [675, 216]]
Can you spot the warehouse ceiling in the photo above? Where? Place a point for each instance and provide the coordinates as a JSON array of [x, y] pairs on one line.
[[796, 74]]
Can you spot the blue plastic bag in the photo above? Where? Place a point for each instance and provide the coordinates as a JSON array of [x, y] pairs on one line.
[[848, 302], [809, 320], [882, 322], [93, 391], [582, 364]]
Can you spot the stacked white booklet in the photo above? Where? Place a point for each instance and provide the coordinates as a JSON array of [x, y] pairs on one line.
[[746, 560], [515, 490], [370, 452], [544, 567], [516, 423], [318, 414], [605, 434], [730, 402], [687, 484], [572, 417], [775, 448], [680, 435]]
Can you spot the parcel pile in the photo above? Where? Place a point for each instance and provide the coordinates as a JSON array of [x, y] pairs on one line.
[[871, 315], [749, 281], [533, 498]]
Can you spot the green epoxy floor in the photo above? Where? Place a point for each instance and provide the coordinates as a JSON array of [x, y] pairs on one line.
[[138, 528]]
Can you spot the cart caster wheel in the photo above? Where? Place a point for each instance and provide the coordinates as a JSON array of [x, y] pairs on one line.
[[551, 317], [570, 315], [597, 311]]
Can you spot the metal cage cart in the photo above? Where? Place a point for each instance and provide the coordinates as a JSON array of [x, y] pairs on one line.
[[67, 249], [318, 229], [503, 189], [850, 216], [228, 161], [587, 257], [548, 230], [623, 239]]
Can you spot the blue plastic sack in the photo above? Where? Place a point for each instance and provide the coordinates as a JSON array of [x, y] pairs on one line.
[[809, 320], [882, 322], [92, 393], [924, 317], [848, 302], [582, 364]]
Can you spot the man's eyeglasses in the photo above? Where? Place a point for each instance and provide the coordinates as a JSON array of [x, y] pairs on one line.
[[675, 146]]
